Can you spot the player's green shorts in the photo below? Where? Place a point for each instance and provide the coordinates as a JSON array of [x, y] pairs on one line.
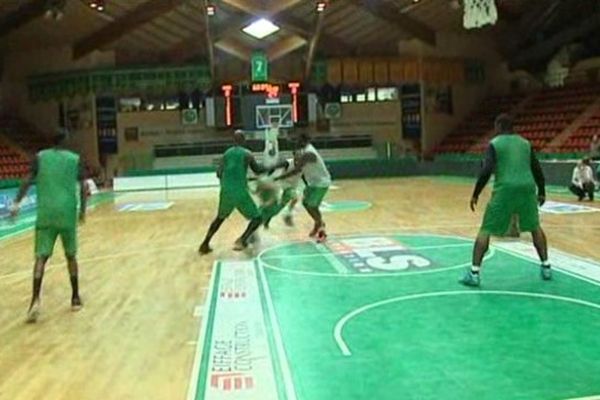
[[313, 196], [45, 239], [237, 200], [506, 203]]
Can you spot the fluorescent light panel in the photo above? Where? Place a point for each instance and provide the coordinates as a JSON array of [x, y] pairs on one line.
[[261, 28]]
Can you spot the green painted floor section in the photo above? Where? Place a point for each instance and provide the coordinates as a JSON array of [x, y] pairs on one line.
[[516, 337]]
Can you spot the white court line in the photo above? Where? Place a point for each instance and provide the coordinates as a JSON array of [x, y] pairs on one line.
[[491, 254], [339, 326], [283, 362], [99, 258], [194, 374], [562, 271], [264, 263], [596, 397], [292, 256], [389, 232]]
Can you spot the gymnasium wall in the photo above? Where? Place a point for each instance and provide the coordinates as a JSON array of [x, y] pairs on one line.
[[160, 127], [436, 125], [465, 96], [382, 120], [44, 116]]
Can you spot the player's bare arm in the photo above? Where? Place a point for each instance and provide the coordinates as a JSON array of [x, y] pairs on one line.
[[220, 168], [485, 174], [28, 181], [254, 165], [538, 176], [306, 158]]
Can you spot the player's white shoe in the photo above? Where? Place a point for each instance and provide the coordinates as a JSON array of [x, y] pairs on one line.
[[76, 304], [34, 313]]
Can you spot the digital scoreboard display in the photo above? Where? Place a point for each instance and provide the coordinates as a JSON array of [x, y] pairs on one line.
[[252, 106]]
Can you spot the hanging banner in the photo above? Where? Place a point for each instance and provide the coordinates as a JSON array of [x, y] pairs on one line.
[[410, 99], [106, 124], [260, 67]]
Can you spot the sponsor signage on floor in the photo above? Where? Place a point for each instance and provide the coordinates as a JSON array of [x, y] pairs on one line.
[[238, 366], [372, 254], [555, 207]]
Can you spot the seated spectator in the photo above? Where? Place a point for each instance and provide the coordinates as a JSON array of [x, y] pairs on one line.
[[595, 148], [583, 182]]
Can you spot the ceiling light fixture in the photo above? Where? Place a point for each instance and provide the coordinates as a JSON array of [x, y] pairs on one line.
[[261, 28], [321, 6], [210, 10], [55, 9]]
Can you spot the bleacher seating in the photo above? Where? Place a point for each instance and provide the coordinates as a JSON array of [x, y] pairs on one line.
[[13, 165], [545, 115], [477, 124], [551, 111], [22, 134], [580, 140]]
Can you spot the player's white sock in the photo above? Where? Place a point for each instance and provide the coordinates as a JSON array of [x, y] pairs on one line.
[[546, 264], [475, 269]]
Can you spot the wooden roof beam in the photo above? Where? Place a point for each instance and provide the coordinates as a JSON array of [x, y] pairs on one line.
[[284, 47], [402, 21], [186, 49], [110, 33], [312, 46], [21, 16], [296, 26], [547, 47], [235, 48]]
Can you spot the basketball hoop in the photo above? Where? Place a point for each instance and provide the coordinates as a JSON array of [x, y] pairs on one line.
[[479, 13]]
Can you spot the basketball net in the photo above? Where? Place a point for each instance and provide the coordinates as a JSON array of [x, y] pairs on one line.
[[479, 13]]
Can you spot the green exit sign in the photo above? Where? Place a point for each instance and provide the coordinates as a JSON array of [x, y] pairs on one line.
[[260, 67]]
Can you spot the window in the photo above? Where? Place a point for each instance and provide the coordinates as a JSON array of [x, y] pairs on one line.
[[361, 98], [371, 94], [387, 94], [172, 103], [128, 104], [346, 98]]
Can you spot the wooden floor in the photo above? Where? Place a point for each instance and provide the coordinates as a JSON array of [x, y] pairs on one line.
[[143, 282]]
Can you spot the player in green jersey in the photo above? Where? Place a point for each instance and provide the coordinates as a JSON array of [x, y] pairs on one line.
[[55, 172], [235, 195], [517, 172]]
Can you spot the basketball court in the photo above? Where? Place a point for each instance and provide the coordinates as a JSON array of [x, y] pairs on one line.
[[375, 312], [385, 319], [171, 113]]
